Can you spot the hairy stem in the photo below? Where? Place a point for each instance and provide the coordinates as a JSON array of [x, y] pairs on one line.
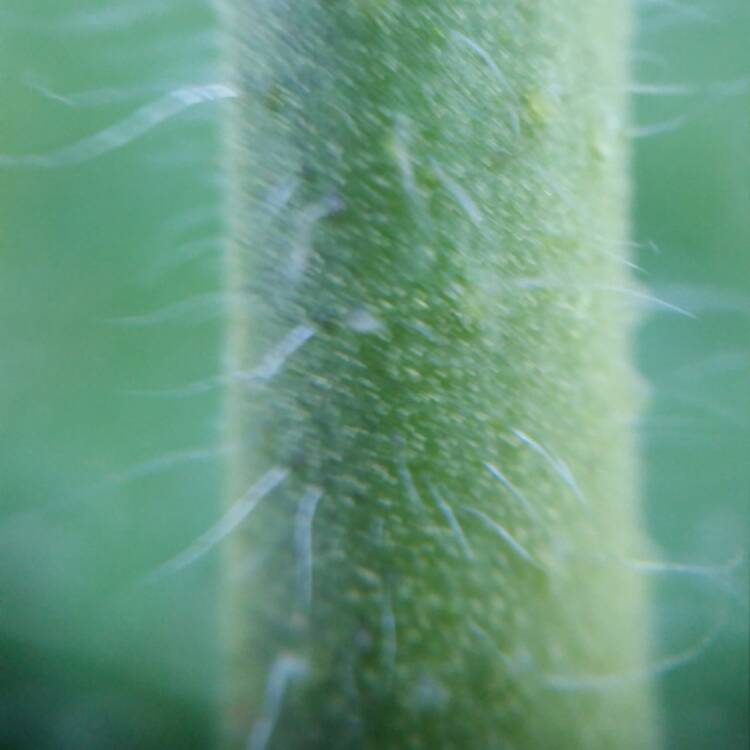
[[436, 498]]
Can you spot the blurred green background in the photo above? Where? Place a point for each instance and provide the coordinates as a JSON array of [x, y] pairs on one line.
[[107, 467], [692, 217]]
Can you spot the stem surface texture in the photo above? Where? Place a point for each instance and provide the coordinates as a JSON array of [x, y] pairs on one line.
[[435, 501]]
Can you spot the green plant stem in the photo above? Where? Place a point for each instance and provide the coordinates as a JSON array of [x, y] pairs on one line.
[[431, 381]]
